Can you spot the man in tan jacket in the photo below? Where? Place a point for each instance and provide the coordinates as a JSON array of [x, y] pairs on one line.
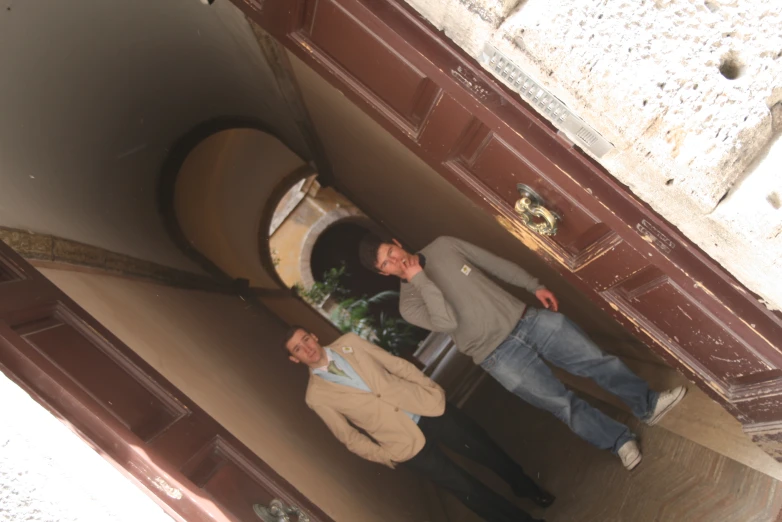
[[404, 418]]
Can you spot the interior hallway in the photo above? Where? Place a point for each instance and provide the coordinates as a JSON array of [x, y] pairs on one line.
[[99, 186]]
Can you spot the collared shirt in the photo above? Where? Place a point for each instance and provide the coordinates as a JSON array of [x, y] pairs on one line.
[[351, 378]]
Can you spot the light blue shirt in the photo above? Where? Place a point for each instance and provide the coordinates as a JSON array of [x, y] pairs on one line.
[[352, 378]]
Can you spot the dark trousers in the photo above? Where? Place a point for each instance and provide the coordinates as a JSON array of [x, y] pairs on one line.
[[459, 433]]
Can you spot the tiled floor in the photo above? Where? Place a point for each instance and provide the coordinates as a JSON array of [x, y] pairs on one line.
[[678, 480]]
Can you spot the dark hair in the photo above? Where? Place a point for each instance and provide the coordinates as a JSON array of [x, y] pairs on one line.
[[367, 251], [290, 333]]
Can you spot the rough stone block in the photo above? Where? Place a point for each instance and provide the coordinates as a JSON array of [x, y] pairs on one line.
[[78, 253], [688, 91], [27, 244]]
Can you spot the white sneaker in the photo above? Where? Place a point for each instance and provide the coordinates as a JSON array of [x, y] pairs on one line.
[[665, 403], [630, 454]]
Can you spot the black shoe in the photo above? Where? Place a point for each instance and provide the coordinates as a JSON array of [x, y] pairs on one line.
[[543, 498], [538, 495]]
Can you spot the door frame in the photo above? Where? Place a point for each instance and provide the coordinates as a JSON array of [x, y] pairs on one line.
[[176, 462], [424, 51]]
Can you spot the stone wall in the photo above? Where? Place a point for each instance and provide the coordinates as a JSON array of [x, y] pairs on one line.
[[48, 473], [293, 241], [688, 91]]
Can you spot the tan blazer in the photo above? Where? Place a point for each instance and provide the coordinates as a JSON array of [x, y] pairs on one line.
[[397, 386]]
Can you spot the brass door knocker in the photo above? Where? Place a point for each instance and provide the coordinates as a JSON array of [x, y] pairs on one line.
[[532, 212], [279, 512]]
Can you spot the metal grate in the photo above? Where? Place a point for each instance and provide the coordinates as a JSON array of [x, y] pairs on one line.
[[546, 103]]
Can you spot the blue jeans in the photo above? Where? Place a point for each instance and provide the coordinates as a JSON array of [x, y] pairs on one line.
[[517, 365]]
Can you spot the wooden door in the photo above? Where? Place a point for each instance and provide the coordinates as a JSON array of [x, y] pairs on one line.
[[485, 140], [87, 377]]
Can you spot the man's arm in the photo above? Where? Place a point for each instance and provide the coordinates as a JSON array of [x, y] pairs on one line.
[[426, 306], [355, 441], [499, 267], [399, 367]]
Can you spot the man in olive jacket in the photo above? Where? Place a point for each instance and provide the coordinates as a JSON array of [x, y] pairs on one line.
[[355, 385]]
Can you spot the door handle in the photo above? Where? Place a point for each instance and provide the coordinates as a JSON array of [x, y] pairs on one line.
[[530, 206], [279, 512]]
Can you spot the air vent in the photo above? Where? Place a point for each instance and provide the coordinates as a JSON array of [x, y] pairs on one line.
[[587, 136], [546, 103]]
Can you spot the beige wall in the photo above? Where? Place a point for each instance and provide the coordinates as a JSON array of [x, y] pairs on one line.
[[95, 93], [296, 311], [227, 359], [221, 192]]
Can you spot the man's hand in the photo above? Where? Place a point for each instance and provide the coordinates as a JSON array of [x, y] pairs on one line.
[[410, 267], [546, 297]]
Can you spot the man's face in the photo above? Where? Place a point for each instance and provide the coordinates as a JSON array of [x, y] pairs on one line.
[[390, 257], [305, 348]]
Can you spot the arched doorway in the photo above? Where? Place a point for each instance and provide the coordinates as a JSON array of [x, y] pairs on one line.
[[366, 302], [338, 245], [314, 237]]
